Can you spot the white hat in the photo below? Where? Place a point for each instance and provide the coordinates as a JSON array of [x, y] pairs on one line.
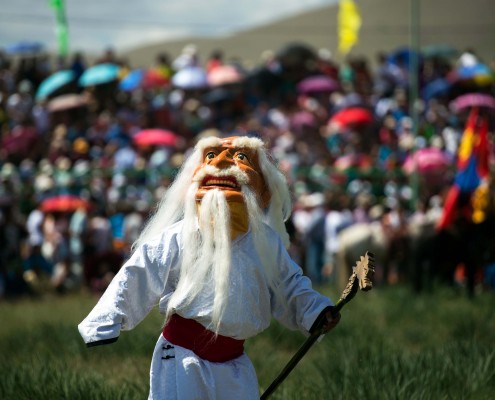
[[314, 200]]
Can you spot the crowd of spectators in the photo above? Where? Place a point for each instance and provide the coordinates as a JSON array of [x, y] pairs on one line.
[[339, 174]]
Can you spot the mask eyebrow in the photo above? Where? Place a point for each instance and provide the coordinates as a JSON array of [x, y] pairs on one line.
[[248, 142], [208, 142]]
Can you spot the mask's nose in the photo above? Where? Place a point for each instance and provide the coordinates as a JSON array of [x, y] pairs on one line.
[[223, 160]]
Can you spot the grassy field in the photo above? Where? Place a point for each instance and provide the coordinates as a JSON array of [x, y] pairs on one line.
[[390, 344]]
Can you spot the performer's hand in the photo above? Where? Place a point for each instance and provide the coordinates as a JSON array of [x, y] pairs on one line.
[[332, 319]]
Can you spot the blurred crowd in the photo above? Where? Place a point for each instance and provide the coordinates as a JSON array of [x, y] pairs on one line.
[[341, 132]]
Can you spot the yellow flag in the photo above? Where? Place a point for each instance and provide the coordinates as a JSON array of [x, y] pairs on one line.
[[349, 22]]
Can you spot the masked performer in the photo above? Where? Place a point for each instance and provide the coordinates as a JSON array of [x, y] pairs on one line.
[[213, 256]]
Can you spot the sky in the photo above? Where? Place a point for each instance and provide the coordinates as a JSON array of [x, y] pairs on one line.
[[95, 25]]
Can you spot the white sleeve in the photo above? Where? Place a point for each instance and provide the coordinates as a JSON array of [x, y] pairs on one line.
[[297, 304], [131, 295]]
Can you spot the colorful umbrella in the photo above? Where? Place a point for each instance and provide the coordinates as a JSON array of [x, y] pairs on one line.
[[153, 78], [471, 71], [352, 116], [132, 80], [472, 100], [64, 203], [190, 78], [155, 137], [146, 79], [317, 84], [479, 74], [224, 75], [99, 74], [54, 82], [426, 160], [67, 102]]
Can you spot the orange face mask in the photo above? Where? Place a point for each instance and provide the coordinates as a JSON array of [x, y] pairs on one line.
[[224, 156]]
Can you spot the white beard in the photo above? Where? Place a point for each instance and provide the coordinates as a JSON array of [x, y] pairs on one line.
[[206, 261]]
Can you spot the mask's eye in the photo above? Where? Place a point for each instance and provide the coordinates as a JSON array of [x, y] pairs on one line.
[[242, 157], [210, 155]]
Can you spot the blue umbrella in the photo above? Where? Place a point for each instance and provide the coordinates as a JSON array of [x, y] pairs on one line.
[[99, 74], [24, 47], [132, 80], [435, 88], [403, 55], [54, 82]]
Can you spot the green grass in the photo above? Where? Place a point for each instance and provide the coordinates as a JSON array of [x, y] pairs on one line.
[[390, 344]]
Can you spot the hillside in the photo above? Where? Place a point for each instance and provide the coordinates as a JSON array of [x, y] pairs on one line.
[[386, 25]]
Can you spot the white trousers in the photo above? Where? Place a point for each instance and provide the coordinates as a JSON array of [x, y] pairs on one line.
[[179, 374]]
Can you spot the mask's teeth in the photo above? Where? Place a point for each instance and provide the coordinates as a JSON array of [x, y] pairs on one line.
[[220, 182]]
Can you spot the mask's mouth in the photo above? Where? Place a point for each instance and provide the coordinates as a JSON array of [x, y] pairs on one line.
[[221, 182]]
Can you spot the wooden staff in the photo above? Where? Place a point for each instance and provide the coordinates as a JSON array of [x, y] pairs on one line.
[[361, 277]]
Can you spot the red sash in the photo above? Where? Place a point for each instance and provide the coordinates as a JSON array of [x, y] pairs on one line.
[[192, 335]]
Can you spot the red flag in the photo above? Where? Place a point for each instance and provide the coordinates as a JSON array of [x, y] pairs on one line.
[[482, 150], [449, 207]]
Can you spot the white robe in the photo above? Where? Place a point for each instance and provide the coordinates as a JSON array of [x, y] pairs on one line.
[[148, 278]]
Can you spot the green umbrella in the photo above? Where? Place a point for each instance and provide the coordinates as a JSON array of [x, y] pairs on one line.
[[439, 50]]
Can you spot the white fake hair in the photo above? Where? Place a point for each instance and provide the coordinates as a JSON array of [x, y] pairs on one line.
[[209, 265], [280, 206], [171, 207]]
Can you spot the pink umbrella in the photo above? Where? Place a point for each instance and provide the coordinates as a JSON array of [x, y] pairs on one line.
[[472, 100], [317, 84], [302, 119], [427, 160], [224, 75], [67, 102], [155, 137]]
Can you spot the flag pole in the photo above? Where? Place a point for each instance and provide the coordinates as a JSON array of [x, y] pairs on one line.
[[414, 38]]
